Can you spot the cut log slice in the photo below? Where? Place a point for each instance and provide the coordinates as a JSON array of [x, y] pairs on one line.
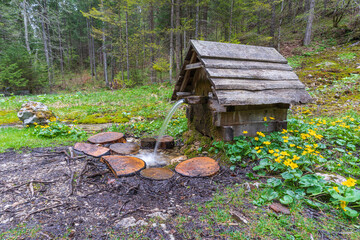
[[122, 166], [148, 143], [166, 142], [91, 149], [107, 137], [157, 173], [124, 148], [198, 167]]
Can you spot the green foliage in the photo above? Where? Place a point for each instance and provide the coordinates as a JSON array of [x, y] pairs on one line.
[[56, 129], [296, 154]]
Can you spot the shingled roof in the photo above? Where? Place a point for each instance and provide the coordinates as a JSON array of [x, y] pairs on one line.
[[242, 74]]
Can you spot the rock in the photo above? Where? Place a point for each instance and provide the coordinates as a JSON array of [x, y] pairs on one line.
[[358, 67], [161, 215], [130, 222], [277, 207], [326, 64], [332, 178], [35, 112], [178, 159]]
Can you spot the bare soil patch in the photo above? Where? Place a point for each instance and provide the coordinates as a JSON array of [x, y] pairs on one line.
[[81, 197]]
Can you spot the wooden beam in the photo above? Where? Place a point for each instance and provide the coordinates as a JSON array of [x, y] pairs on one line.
[[193, 100], [187, 74], [183, 94], [193, 66]]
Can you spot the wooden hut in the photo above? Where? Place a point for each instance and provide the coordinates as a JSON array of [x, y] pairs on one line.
[[233, 88]]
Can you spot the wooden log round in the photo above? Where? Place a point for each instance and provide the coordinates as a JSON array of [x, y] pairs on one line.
[[107, 137], [124, 148], [166, 142], [198, 167], [122, 166], [148, 143], [91, 149], [157, 173]]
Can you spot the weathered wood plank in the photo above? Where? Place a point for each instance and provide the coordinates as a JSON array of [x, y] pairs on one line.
[[183, 94], [244, 97], [252, 128], [193, 66], [250, 116], [240, 64], [192, 100], [272, 75], [187, 74], [237, 51], [254, 85]]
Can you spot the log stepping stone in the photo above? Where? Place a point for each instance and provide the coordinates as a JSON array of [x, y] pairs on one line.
[[198, 167], [122, 166], [107, 137], [148, 143], [91, 149], [124, 148], [166, 142], [157, 173]]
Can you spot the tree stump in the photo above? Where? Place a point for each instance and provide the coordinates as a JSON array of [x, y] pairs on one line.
[[122, 166], [157, 173], [124, 148], [91, 149], [107, 137], [166, 142], [148, 143], [198, 167]]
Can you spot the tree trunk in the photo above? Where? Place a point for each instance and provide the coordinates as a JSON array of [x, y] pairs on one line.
[[272, 22], [90, 50], [310, 20], [152, 42], [60, 48], [178, 37], [104, 49], [230, 22], [93, 52], [280, 22], [171, 39], [197, 19], [46, 49], [127, 45], [26, 27], [205, 21]]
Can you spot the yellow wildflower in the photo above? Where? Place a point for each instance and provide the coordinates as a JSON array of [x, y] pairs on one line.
[[336, 189], [245, 132], [277, 150], [343, 205], [271, 151], [284, 131], [256, 148], [285, 141], [278, 160], [349, 183], [265, 119], [266, 143], [284, 153], [258, 151], [260, 134], [69, 132], [276, 155], [287, 162], [295, 157], [293, 165], [256, 138], [292, 145]]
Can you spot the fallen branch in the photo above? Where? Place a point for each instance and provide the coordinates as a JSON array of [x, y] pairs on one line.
[[43, 209]]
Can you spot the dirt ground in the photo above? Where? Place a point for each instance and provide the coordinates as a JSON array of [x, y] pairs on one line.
[[80, 198]]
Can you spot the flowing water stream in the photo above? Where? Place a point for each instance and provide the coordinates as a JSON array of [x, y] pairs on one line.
[[153, 159]]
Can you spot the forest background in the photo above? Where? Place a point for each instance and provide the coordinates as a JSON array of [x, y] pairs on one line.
[[52, 45]]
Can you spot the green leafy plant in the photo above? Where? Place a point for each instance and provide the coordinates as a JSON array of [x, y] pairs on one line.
[[56, 129]]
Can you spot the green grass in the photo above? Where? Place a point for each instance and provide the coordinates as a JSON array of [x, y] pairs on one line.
[[19, 138]]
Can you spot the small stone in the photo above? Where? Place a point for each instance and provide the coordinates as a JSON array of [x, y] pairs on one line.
[[130, 222], [35, 112], [178, 159], [161, 215], [332, 178], [277, 207]]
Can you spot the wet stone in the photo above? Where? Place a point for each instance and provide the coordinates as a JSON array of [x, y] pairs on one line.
[[279, 208], [157, 173], [198, 167], [122, 166], [124, 148], [91, 149], [107, 137]]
